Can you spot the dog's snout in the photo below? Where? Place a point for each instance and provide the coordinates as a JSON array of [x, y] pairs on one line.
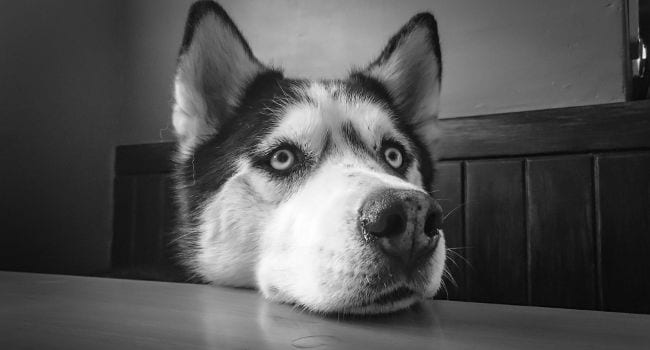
[[404, 224]]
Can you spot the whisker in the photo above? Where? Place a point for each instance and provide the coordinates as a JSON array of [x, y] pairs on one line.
[[450, 258], [444, 286], [451, 278], [463, 259], [458, 248], [453, 210]]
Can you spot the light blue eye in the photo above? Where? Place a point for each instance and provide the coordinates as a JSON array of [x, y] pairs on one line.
[[282, 159], [393, 157]]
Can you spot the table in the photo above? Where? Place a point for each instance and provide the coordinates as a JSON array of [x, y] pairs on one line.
[[41, 311]]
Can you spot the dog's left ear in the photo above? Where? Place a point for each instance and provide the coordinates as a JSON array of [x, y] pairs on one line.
[[410, 67], [214, 65]]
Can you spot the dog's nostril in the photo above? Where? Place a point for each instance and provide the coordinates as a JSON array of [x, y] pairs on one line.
[[395, 224], [432, 224], [388, 225]]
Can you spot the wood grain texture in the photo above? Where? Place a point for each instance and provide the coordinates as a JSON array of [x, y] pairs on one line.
[[625, 230], [615, 126], [67, 312], [560, 226], [496, 232], [447, 189]]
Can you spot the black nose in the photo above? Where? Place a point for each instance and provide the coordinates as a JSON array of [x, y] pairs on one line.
[[404, 223]]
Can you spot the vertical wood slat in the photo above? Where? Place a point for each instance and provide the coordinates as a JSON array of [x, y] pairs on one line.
[[149, 226], [124, 191], [169, 220], [560, 224], [447, 189], [625, 231], [496, 232]]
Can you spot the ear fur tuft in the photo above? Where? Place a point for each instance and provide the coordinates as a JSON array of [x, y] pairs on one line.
[[410, 66], [215, 64]]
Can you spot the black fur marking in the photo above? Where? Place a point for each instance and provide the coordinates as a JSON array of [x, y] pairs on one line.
[[214, 161], [364, 85], [421, 19], [198, 11], [353, 138]]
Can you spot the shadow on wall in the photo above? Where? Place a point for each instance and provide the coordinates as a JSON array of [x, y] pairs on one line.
[[60, 91]]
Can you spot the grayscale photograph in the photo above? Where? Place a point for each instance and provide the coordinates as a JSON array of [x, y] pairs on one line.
[[326, 174]]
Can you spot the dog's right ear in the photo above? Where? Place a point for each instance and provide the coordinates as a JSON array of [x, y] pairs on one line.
[[214, 65]]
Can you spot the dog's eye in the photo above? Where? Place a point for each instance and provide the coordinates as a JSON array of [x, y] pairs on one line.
[[393, 157], [282, 159]]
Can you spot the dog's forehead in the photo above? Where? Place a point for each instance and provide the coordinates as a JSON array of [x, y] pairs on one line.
[[327, 109]]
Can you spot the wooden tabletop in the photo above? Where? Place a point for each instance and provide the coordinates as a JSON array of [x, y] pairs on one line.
[[67, 312]]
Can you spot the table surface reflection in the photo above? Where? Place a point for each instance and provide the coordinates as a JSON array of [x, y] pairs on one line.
[[70, 312]]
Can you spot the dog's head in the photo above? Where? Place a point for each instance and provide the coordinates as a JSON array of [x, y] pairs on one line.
[[315, 192]]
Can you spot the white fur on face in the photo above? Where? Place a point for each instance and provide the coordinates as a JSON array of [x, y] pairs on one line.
[[304, 246]]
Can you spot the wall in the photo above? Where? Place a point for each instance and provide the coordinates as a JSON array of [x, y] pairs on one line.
[[60, 81], [79, 77], [498, 56]]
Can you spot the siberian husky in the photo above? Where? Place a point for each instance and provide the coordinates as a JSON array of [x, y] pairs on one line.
[[315, 192]]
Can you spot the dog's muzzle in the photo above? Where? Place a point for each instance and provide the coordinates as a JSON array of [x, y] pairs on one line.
[[404, 225]]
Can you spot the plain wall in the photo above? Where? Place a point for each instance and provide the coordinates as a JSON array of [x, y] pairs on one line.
[[498, 55], [60, 93]]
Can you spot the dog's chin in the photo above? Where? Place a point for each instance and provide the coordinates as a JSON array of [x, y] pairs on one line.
[[386, 302], [389, 301], [380, 309]]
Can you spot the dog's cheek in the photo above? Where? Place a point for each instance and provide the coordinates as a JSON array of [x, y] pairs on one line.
[[230, 227]]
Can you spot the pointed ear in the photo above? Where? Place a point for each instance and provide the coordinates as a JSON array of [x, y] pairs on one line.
[[410, 67], [214, 65]]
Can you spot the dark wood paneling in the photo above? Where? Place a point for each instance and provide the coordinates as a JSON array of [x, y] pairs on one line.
[[150, 220], [169, 221], [560, 226], [496, 232], [447, 189], [124, 214], [154, 158], [625, 230], [564, 130]]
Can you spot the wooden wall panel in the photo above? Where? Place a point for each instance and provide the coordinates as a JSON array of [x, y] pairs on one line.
[[496, 232], [169, 221], [124, 215], [447, 189], [560, 225], [149, 223], [624, 186]]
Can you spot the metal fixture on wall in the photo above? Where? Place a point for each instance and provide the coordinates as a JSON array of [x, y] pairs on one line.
[[638, 19], [640, 74]]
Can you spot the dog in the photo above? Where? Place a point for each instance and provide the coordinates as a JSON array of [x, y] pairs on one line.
[[315, 192]]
